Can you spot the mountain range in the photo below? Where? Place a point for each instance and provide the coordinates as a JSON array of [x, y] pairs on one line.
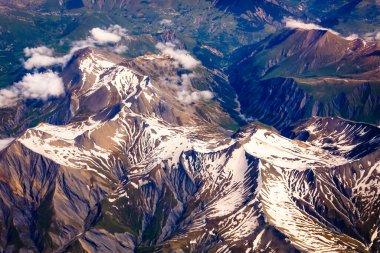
[[169, 126]]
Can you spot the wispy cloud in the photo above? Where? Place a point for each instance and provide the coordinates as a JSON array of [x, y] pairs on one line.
[[103, 36], [41, 85], [185, 92], [190, 97], [109, 39], [44, 57], [8, 97], [372, 36], [166, 22], [33, 86], [121, 49], [183, 57], [353, 36], [299, 24], [113, 34]]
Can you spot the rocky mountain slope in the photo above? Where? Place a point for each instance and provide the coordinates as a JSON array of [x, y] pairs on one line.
[[133, 166], [301, 73]]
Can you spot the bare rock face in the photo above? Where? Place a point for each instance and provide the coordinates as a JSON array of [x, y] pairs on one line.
[[133, 167]]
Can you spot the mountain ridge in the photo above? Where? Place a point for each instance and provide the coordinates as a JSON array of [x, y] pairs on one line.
[[309, 63]]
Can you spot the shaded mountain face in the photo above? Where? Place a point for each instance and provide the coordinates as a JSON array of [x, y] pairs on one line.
[[301, 73], [135, 168]]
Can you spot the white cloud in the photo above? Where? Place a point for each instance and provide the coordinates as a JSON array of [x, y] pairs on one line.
[[372, 36], [120, 49], [8, 97], [185, 92], [112, 34], [38, 50], [5, 143], [109, 39], [206, 95], [353, 36], [80, 44], [189, 97], [299, 24], [183, 57], [166, 22], [34, 86], [103, 36], [43, 57], [41, 85], [186, 79]]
